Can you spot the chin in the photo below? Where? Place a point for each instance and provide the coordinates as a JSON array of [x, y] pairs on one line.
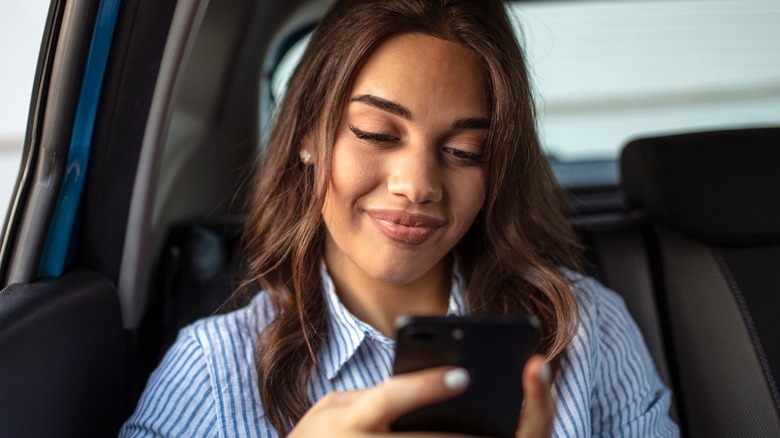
[[397, 278], [397, 274]]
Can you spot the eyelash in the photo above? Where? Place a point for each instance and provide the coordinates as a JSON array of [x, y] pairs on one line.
[[468, 157], [373, 137]]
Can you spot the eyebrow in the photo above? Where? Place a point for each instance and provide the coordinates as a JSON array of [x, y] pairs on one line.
[[399, 110], [472, 123], [383, 104]]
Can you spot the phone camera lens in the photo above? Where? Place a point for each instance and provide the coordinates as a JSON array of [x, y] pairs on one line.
[[457, 334]]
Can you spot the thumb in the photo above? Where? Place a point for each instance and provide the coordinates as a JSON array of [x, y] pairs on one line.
[[380, 405], [536, 418]]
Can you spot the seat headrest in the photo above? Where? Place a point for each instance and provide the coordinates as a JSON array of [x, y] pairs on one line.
[[720, 187]]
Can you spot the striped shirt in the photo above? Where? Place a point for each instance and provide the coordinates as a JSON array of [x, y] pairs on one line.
[[207, 383]]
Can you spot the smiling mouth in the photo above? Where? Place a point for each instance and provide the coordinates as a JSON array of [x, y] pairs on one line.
[[405, 228]]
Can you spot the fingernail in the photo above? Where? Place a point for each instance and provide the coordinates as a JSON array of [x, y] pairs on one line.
[[457, 379], [544, 373]]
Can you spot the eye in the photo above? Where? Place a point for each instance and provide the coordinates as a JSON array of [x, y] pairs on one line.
[[464, 157], [373, 137]]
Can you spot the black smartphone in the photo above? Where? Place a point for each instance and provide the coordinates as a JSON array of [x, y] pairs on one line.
[[494, 350]]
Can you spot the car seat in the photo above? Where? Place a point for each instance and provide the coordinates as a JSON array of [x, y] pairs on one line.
[[713, 199], [62, 371]]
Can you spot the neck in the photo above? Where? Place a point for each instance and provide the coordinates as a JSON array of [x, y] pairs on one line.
[[380, 304]]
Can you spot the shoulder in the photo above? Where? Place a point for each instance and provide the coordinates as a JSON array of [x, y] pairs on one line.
[[578, 370], [609, 370], [600, 308], [207, 380], [590, 293], [231, 332], [606, 331]]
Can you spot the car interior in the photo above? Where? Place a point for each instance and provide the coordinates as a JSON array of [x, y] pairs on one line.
[[684, 224]]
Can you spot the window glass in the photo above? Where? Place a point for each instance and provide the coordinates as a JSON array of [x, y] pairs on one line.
[[285, 69], [21, 28], [607, 71]]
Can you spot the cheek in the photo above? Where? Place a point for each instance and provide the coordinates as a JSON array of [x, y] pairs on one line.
[[467, 197], [352, 175]]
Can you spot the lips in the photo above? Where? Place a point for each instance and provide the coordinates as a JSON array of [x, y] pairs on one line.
[[405, 228]]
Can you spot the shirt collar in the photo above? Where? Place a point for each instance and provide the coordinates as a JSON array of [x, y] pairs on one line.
[[458, 305], [346, 332]]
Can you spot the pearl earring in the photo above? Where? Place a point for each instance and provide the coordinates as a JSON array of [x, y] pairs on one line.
[[305, 156]]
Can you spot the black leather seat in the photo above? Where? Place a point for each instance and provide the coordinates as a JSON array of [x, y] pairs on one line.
[[62, 368], [714, 202]]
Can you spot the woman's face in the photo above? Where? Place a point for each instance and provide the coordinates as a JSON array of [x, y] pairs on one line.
[[407, 178]]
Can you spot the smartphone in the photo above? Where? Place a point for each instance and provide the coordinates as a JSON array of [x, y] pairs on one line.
[[494, 350]]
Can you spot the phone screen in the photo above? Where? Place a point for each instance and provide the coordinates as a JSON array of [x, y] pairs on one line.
[[493, 349]]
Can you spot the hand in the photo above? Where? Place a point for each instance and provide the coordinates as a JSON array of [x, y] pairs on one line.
[[536, 418], [369, 412]]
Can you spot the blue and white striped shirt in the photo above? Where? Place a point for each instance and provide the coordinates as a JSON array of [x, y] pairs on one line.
[[207, 383]]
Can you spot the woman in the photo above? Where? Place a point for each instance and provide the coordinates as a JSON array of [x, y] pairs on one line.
[[403, 175]]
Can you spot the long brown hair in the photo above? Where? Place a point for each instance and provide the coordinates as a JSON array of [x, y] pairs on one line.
[[512, 255]]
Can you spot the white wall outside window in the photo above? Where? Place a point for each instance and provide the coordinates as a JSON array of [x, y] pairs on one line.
[[606, 71], [21, 29]]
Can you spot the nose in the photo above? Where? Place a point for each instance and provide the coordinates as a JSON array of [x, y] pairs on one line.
[[415, 175]]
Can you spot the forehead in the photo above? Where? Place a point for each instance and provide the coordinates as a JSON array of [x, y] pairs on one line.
[[415, 68]]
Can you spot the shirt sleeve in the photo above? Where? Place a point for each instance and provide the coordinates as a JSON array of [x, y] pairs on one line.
[[629, 398], [179, 397]]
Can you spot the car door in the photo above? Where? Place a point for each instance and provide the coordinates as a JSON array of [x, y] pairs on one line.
[[64, 361]]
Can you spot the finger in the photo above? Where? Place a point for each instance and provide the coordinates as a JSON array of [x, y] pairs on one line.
[[537, 415], [380, 405]]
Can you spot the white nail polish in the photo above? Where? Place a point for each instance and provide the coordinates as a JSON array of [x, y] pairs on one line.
[[457, 379], [544, 373]]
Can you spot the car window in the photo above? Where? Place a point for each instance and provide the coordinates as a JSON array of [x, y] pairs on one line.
[[607, 71], [285, 68], [21, 29]]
